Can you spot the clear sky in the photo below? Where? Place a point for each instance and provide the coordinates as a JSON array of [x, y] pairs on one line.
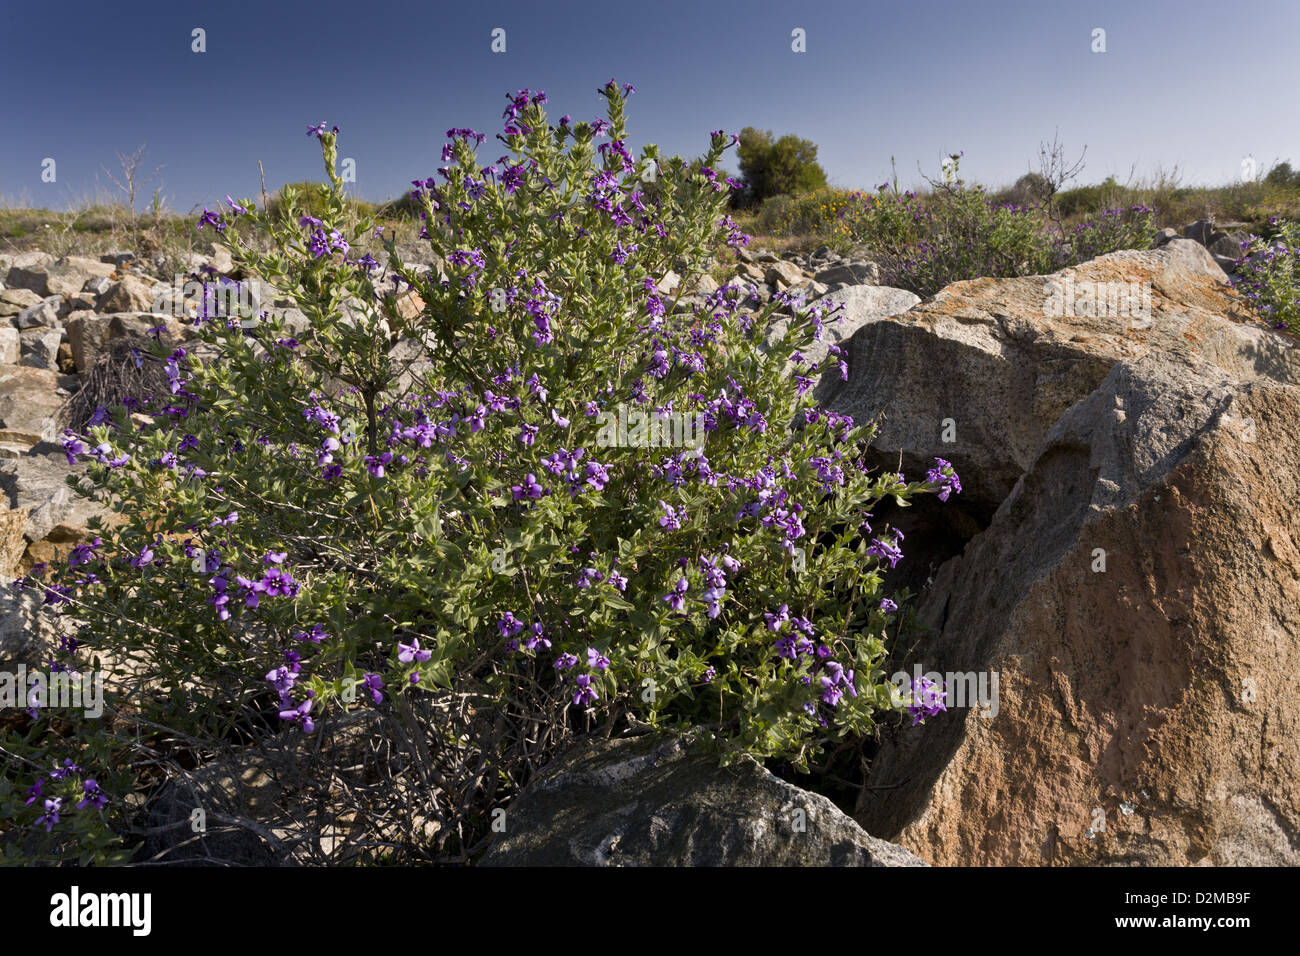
[[1197, 84]]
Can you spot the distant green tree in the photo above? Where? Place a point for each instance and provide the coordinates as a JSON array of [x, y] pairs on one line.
[[1029, 189], [777, 167], [1283, 175]]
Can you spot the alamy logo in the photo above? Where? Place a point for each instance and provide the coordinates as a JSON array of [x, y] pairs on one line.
[[58, 689], [74, 909], [1088, 299], [186, 299], [960, 689], [642, 429]]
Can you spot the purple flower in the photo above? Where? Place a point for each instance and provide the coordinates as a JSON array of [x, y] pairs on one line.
[[596, 660], [887, 550], [675, 598], [927, 700], [774, 621], [83, 553], [508, 626], [51, 815], [316, 635], [564, 662], [945, 477], [537, 639], [887, 606], [374, 683], [529, 489], [585, 694], [211, 219], [673, 518], [375, 463], [58, 773], [94, 796], [300, 715], [512, 178], [528, 434], [412, 652], [72, 447]]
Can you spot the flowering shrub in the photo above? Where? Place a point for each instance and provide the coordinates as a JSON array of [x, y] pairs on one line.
[[1108, 231], [417, 505], [924, 243], [1268, 273], [831, 214], [960, 233]]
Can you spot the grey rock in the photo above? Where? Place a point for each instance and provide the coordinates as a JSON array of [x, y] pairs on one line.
[[65, 278], [44, 313], [669, 283], [13, 301], [413, 252], [410, 360], [32, 278], [705, 284], [97, 285], [1164, 235], [38, 481], [656, 801], [1203, 231], [128, 294], [1003, 371], [118, 258], [40, 348], [28, 636], [10, 345], [29, 401], [25, 260], [90, 334], [851, 273], [847, 311], [786, 272], [1228, 246]]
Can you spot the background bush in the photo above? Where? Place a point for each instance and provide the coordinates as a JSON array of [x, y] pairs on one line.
[[777, 167]]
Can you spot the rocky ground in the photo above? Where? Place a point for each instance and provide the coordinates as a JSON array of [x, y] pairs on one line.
[[1123, 558]]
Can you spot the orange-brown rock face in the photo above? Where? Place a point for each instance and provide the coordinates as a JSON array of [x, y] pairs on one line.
[[1137, 592]]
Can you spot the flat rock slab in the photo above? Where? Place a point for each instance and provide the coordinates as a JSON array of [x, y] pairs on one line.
[[660, 801]]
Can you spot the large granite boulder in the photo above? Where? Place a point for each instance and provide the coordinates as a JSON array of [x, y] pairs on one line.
[[1136, 593], [982, 371]]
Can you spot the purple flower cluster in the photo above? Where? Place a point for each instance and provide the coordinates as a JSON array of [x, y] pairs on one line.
[[283, 679], [927, 700], [945, 477]]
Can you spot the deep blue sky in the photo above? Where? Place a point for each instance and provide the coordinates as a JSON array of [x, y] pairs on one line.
[[1196, 83]]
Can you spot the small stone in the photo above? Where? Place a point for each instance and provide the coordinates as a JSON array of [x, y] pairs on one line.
[[10, 345], [46, 313]]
